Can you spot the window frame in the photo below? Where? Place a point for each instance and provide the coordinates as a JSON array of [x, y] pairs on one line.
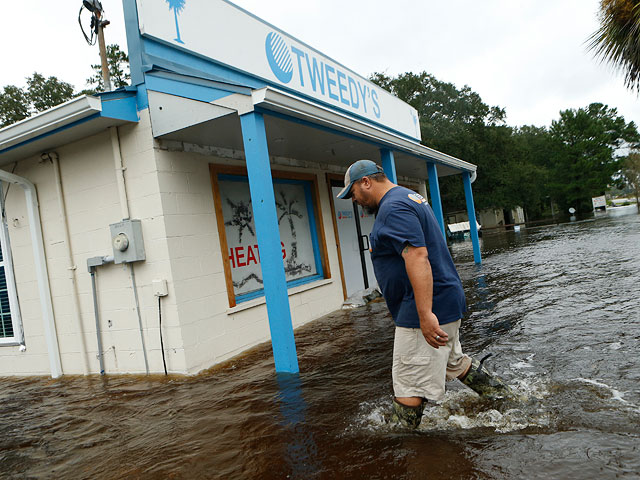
[[310, 185], [7, 263]]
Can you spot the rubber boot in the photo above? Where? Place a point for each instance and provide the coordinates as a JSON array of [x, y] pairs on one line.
[[406, 415], [485, 383]]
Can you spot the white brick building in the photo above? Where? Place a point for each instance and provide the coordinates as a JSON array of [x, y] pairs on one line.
[[195, 141]]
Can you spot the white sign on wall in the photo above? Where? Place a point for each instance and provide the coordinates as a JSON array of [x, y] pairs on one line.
[[295, 234], [229, 35], [599, 202]]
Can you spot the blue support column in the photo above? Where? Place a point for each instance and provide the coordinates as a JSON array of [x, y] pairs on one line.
[[471, 212], [434, 189], [268, 234], [388, 164]]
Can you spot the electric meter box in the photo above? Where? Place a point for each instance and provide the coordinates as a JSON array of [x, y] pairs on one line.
[[126, 240]]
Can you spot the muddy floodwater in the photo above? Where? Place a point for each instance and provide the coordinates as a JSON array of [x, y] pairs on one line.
[[558, 306]]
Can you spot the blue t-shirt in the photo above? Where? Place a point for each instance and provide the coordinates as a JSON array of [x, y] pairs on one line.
[[405, 218]]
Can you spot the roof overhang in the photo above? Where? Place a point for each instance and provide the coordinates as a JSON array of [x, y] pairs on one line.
[[278, 101], [73, 120], [207, 113]]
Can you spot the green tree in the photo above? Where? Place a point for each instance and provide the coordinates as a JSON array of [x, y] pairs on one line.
[[631, 174], [118, 64], [14, 105], [44, 93], [536, 150], [584, 167], [41, 93], [618, 38], [457, 122]]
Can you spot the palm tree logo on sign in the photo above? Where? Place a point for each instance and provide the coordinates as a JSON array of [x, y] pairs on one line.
[[177, 6]]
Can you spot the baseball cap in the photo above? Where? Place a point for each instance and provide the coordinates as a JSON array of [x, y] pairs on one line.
[[356, 171]]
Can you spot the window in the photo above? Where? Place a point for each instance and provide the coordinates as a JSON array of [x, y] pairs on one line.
[[301, 232], [10, 326]]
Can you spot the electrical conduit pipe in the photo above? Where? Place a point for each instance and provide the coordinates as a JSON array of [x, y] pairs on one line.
[[124, 206], [44, 289], [71, 265]]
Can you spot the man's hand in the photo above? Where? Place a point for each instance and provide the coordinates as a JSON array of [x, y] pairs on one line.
[[433, 334], [416, 261]]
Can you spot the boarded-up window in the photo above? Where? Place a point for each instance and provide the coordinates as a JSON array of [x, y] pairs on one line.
[[302, 249]]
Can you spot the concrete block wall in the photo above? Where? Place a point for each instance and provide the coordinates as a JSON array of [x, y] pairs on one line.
[[92, 202], [491, 218], [170, 192], [213, 332]]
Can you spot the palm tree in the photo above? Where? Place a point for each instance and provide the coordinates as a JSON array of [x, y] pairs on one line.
[[177, 6], [618, 38]]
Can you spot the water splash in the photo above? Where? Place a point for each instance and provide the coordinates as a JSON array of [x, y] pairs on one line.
[[615, 394], [463, 409]]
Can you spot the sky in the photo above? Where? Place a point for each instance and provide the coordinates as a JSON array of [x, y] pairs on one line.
[[528, 57]]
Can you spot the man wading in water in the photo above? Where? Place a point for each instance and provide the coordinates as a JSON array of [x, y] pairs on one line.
[[423, 292]]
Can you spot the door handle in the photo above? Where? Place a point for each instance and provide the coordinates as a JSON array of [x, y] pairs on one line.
[[368, 246]]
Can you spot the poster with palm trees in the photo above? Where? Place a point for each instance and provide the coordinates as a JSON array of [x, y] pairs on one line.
[[295, 233], [177, 6]]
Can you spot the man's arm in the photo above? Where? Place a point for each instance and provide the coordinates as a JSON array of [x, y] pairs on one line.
[[416, 261]]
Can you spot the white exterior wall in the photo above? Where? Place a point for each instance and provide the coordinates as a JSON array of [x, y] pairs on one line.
[[92, 203], [212, 331], [491, 218], [171, 193]]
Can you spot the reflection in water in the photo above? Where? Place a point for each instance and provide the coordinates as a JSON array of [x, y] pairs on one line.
[[558, 306], [301, 453]]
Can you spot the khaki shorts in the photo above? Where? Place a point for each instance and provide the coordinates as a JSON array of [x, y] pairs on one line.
[[419, 370]]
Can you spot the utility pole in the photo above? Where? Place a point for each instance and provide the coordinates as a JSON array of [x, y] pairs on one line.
[[97, 29], [106, 78]]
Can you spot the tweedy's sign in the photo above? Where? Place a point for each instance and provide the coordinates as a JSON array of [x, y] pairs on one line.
[[229, 35]]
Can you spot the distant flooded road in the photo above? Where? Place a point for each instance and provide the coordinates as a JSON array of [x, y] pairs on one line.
[[558, 306]]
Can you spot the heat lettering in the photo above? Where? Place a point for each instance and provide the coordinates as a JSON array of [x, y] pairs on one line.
[[251, 253]]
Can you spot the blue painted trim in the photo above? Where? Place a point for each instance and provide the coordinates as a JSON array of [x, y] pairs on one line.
[[122, 108], [184, 89], [115, 105], [245, 297], [471, 211], [180, 57], [52, 132], [200, 78], [134, 42], [263, 201], [311, 214], [388, 164], [436, 201], [142, 97]]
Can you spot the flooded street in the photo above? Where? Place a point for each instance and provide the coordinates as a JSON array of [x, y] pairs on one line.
[[558, 306]]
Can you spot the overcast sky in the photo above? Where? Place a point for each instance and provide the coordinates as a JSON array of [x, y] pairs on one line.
[[529, 57]]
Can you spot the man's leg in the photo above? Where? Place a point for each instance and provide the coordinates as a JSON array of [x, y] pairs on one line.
[[483, 382], [408, 415], [470, 371], [418, 375]]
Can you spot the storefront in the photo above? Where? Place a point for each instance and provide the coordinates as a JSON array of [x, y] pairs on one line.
[[240, 139]]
